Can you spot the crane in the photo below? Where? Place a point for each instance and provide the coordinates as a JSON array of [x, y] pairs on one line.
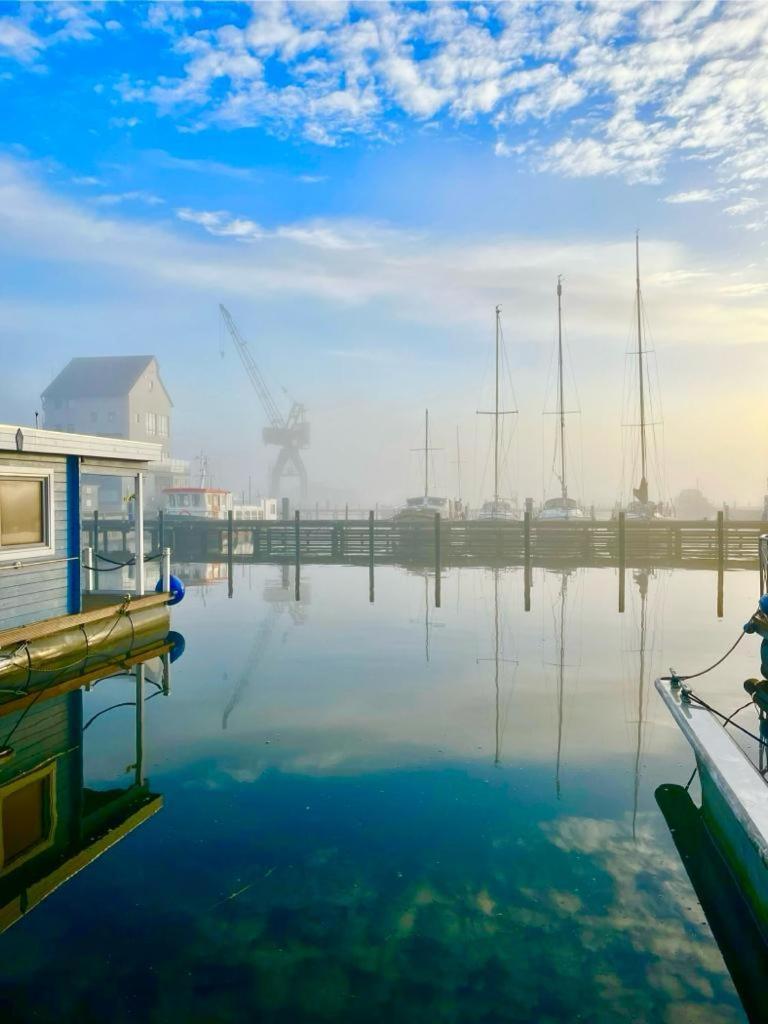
[[289, 433]]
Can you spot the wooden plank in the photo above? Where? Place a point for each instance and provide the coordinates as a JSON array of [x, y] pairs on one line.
[[47, 627]]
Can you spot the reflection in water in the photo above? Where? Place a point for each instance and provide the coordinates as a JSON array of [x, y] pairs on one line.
[[52, 824], [279, 597], [366, 864]]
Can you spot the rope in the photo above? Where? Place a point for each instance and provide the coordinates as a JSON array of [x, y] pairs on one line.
[[675, 678], [695, 699], [117, 565]]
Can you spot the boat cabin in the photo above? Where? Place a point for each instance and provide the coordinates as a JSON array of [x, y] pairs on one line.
[[560, 509], [42, 473], [201, 502]]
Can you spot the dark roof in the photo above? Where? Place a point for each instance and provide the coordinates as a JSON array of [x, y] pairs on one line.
[[98, 377]]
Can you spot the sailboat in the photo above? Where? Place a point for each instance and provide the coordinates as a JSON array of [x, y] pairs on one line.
[[498, 508], [642, 507], [425, 505], [561, 507]]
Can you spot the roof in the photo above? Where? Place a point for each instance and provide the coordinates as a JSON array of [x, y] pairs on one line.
[[28, 440], [98, 377]]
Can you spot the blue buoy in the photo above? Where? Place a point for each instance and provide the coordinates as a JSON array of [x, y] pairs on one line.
[[762, 604], [176, 588], [178, 644]]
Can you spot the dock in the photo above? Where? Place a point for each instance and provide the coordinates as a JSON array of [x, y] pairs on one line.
[[590, 543]]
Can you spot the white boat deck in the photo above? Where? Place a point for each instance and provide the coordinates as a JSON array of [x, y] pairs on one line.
[[733, 792]]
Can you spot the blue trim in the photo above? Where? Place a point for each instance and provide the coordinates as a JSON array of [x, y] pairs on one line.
[[73, 534]]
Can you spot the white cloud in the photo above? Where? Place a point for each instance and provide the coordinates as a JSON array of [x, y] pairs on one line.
[[135, 196], [695, 195], [649, 83]]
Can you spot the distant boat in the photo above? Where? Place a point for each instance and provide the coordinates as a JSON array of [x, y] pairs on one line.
[[642, 508], [425, 505], [498, 507], [561, 507]]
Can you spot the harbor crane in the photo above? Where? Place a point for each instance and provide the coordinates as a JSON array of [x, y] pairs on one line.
[[289, 433]]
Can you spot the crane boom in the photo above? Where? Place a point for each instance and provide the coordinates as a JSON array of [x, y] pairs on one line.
[[274, 415]]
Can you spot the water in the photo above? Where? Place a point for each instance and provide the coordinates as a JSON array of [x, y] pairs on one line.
[[393, 811]]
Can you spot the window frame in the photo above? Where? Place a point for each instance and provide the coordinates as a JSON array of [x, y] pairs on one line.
[[48, 772], [48, 547]]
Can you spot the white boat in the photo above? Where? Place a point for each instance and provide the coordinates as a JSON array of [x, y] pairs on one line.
[[562, 507], [498, 508], [642, 508], [426, 505]]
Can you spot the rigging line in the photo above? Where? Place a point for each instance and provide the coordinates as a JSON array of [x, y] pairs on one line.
[[694, 698], [122, 704], [695, 675]]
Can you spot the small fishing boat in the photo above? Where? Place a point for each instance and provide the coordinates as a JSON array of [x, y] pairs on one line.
[[562, 507], [498, 508], [424, 507]]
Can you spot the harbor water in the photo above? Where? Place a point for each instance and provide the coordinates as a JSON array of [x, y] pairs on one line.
[[388, 810]]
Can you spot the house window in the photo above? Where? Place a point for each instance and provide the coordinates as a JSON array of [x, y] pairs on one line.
[[27, 816], [162, 425], [26, 520], [151, 423]]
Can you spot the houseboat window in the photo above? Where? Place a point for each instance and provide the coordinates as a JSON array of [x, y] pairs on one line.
[[27, 818], [22, 511]]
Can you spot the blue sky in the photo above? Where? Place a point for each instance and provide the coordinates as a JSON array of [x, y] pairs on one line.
[[361, 184]]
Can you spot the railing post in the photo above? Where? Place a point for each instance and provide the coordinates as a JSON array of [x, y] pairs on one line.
[[139, 502], [95, 553], [161, 530], [88, 566], [165, 571]]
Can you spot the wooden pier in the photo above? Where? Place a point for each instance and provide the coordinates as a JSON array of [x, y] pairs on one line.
[[591, 543]]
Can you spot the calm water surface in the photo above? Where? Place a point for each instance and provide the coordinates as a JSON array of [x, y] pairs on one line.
[[392, 811]]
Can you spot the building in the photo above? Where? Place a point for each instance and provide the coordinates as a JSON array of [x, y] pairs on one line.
[[120, 397]]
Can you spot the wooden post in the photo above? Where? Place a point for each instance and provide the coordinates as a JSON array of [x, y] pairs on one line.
[[297, 552], [527, 554], [437, 560], [622, 560], [230, 552], [371, 553], [720, 562]]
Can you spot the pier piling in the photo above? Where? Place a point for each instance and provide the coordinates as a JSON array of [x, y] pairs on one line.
[[297, 552], [437, 560], [622, 529], [371, 552]]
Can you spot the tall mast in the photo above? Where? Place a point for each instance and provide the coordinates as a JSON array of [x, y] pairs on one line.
[[560, 390], [496, 417], [426, 452], [458, 463], [642, 491]]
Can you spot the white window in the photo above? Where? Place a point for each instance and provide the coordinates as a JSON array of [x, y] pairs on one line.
[[162, 425], [151, 423], [26, 513]]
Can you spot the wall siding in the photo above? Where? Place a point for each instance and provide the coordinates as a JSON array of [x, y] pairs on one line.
[[33, 593]]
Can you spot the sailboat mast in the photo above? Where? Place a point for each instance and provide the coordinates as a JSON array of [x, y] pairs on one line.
[[426, 452], [560, 389], [496, 417], [643, 489], [458, 463]]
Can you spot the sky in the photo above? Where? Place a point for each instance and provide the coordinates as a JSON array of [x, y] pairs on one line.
[[361, 184]]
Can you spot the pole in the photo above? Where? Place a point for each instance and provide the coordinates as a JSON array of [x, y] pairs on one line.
[[165, 570], [370, 556], [139, 766], [426, 452], [297, 552], [230, 552], [496, 421], [560, 389], [622, 559], [88, 565], [641, 371], [527, 559], [139, 499], [161, 530], [437, 559], [95, 552], [720, 562]]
